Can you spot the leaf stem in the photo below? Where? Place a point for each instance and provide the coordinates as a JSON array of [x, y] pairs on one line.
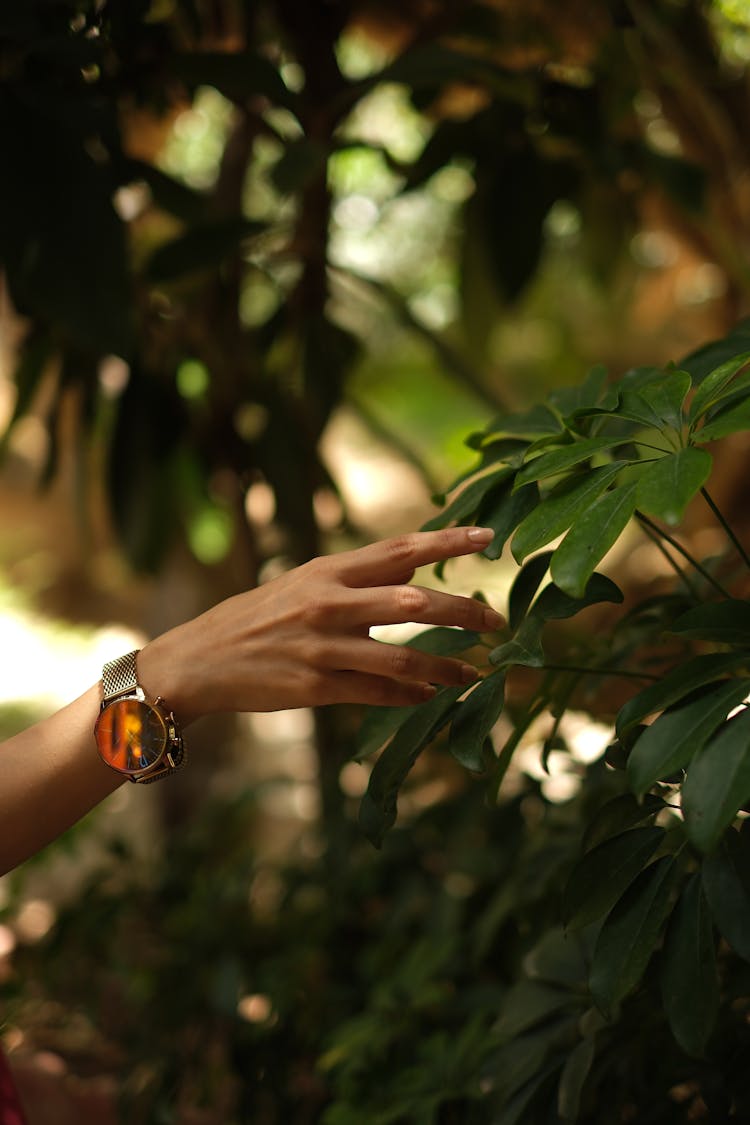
[[646, 522], [675, 566], [714, 508]]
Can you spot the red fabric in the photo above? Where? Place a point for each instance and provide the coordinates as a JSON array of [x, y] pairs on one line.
[[10, 1107]]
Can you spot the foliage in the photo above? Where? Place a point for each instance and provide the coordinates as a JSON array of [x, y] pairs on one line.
[[660, 885]]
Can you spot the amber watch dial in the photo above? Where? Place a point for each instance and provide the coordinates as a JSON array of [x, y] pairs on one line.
[[131, 735]]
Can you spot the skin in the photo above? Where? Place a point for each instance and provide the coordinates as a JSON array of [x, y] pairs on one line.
[[299, 641]]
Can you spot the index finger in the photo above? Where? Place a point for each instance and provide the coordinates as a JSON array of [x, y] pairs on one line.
[[381, 563]]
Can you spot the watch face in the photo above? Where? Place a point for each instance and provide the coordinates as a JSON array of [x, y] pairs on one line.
[[131, 735]]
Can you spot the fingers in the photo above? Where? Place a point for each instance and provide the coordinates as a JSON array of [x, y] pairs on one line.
[[379, 691], [392, 605], [383, 563], [400, 662]]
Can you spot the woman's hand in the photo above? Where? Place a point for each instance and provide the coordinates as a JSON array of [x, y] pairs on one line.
[[303, 639]]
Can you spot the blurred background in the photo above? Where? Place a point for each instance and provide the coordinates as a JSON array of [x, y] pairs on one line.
[[265, 267]]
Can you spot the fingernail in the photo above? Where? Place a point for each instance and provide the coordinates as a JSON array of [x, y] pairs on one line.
[[492, 619], [428, 691], [468, 673], [480, 534]]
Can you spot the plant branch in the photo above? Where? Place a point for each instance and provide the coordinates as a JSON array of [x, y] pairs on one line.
[[646, 522], [714, 508]]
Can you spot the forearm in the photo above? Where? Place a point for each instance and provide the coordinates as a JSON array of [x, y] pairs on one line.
[[50, 776]]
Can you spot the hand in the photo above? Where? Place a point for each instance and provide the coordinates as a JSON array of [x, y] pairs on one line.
[[303, 639]]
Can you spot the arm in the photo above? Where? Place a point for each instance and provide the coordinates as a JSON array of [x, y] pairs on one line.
[[298, 641]]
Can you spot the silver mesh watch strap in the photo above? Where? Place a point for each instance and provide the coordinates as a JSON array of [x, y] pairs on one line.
[[119, 676]]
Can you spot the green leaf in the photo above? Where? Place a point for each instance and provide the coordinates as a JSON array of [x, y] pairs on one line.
[[726, 881], [689, 982], [602, 876], [674, 739], [378, 725], [468, 500], [377, 812], [668, 485], [706, 359], [525, 585], [538, 421], [444, 640], [714, 384], [591, 537], [629, 934], [676, 685], [560, 460], [503, 510], [573, 1077], [729, 421], [726, 622], [618, 815], [473, 721], [659, 403], [555, 514], [554, 604], [526, 1004], [718, 783], [524, 649]]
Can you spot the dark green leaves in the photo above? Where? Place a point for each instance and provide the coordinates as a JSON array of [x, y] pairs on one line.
[[676, 685], [560, 460], [715, 385], [602, 876], [718, 783], [630, 933], [726, 881], [591, 537], [468, 500], [726, 622], [667, 487], [474, 719], [676, 736], [690, 986], [557, 512], [378, 809]]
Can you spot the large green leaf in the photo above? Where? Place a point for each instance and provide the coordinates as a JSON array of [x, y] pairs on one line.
[[718, 783], [725, 622], [378, 725], [468, 500], [630, 933], [690, 986], [502, 510], [553, 604], [659, 403], [573, 1076], [377, 812], [525, 585], [726, 881], [602, 876], [713, 386], [591, 537], [538, 421], [668, 485], [524, 649], [676, 685], [474, 719], [555, 514], [732, 420], [675, 737], [444, 640], [619, 814], [705, 360], [560, 460]]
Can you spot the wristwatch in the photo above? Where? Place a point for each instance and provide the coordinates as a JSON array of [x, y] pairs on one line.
[[136, 737]]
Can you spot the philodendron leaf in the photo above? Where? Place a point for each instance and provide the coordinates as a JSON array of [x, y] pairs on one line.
[[668, 485], [629, 934], [726, 881], [525, 585], [674, 739], [377, 812], [718, 783], [730, 421], [689, 982], [560, 460], [474, 719], [591, 537], [524, 649], [602, 876], [553, 604], [712, 387], [726, 622], [557, 512], [676, 685]]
